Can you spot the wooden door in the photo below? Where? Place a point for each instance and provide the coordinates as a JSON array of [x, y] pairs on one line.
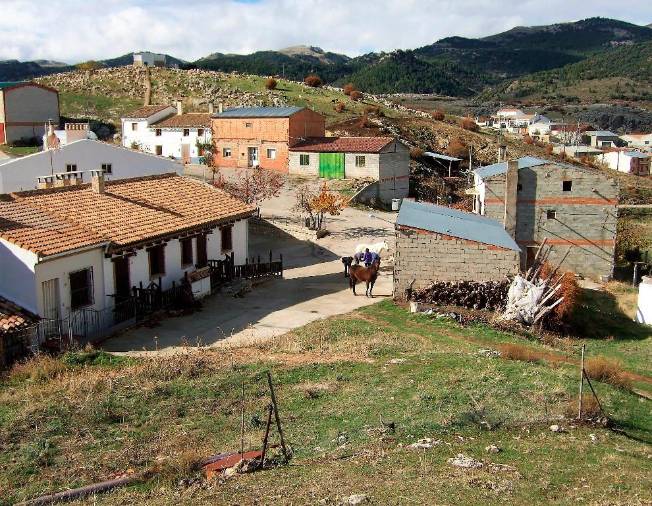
[[122, 278], [51, 299], [202, 251], [185, 153]]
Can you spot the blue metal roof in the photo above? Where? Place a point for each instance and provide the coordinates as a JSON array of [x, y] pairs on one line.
[[637, 154], [258, 112], [600, 133], [442, 157], [444, 220]]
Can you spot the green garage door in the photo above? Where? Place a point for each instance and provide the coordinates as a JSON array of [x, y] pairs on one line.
[[331, 165]]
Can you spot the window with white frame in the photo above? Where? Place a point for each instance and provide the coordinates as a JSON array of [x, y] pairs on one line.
[[81, 288], [271, 153], [134, 127], [71, 167], [360, 161], [304, 159], [226, 152], [107, 168]]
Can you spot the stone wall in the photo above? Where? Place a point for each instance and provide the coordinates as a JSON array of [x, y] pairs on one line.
[[426, 256], [583, 216]]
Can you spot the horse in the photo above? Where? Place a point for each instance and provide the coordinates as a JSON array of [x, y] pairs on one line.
[[368, 275], [374, 248]]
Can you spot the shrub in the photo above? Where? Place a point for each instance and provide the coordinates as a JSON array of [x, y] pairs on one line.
[[364, 122], [355, 95], [349, 88], [438, 115], [513, 351], [528, 140], [38, 369], [469, 124], [271, 83], [607, 371], [416, 153], [457, 148], [549, 149], [313, 81], [372, 109], [590, 407], [340, 107]]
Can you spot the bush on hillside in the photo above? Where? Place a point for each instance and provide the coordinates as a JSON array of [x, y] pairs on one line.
[[271, 83], [457, 148], [340, 107], [355, 95], [349, 88], [469, 124], [313, 81], [438, 115], [416, 153]]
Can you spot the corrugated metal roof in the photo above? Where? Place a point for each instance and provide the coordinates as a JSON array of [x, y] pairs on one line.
[[439, 156], [637, 154], [258, 112], [444, 220], [600, 133], [9, 84], [501, 167]]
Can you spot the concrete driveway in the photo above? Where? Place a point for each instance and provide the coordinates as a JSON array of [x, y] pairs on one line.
[[313, 287]]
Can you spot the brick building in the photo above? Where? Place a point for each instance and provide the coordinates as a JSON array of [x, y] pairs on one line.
[[261, 136], [25, 109], [435, 243], [574, 207]]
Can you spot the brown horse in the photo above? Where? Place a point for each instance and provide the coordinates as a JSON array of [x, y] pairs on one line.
[[368, 275]]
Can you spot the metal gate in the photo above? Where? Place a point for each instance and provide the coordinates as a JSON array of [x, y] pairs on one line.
[[331, 165]]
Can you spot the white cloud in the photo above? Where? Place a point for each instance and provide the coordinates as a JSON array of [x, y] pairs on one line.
[[75, 30]]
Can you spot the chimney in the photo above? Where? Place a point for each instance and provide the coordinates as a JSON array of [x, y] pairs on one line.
[[60, 180], [210, 108], [97, 181], [502, 153], [179, 108], [45, 182], [220, 108], [511, 192]]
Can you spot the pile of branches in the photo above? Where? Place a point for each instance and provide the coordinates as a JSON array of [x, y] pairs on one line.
[[489, 295], [544, 295]]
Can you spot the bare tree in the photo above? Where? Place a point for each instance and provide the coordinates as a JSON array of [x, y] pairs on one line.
[[252, 186], [317, 204]]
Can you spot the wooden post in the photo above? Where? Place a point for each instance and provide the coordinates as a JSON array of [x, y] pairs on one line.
[[276, 415], [266, 438], [579, 413], [242, 421]]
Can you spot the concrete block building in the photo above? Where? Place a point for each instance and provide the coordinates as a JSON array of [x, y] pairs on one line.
[[262, 136], [436, 243], [25, 110], [574, 207]]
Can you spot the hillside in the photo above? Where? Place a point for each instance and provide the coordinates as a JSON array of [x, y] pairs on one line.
[[620, 73], [354, 392]]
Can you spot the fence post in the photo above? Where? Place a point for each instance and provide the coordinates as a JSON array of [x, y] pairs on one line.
[[579, 414]]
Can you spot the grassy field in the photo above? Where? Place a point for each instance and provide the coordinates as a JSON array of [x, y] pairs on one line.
[[341, 384], [19, 150]]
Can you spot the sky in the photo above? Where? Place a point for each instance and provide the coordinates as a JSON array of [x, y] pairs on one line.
[[78, 30]]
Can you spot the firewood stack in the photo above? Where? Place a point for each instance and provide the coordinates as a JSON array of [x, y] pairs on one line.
[[489, 295]]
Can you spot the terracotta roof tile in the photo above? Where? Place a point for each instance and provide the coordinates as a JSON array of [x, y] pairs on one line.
[[146, 111], [188, 120], [129, 212], [14, 317], [343, 144]]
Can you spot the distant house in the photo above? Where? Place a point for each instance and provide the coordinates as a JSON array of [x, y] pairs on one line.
[[77, 252], [514, 120], [435, 243], [71, 132], [166, 131], [641, 141], [630, 162], [72, 163], [577, 151], [262, 136], [25, 110], [383, 159], [147, 59], [574, 207], [601, 138]]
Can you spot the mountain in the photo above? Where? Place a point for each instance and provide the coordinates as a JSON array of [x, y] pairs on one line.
[[128, 59]]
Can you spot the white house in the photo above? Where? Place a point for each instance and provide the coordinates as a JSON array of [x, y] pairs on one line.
[[82, 248], [601, 138], [641, 141], [148, 59], [81, 156], [25, 109], [166, 131], [514, 120], [630, 162]]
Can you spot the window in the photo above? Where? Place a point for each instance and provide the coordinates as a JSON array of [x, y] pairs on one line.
[[249, 125], [200, 132], [107, 168], [226, 152], [202, 251], [567, 186], [519, 187], [227, 238], [81, 288], [158, 132], [159, 150], [71, 167], [304, 159], [360, 161], [186, 132], [186, 251], [156, 260], [271, 154], [551, 214], [134, 127]]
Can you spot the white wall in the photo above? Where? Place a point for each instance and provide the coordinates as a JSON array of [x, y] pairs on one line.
[[129, 136], [170, 140], [61, 267], [17, 278], [29, 104], [21, 173]]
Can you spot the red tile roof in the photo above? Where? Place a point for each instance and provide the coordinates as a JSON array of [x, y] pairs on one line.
[[343, 144], [14, 317], [188, 120], [146, 111], [130, 212]]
